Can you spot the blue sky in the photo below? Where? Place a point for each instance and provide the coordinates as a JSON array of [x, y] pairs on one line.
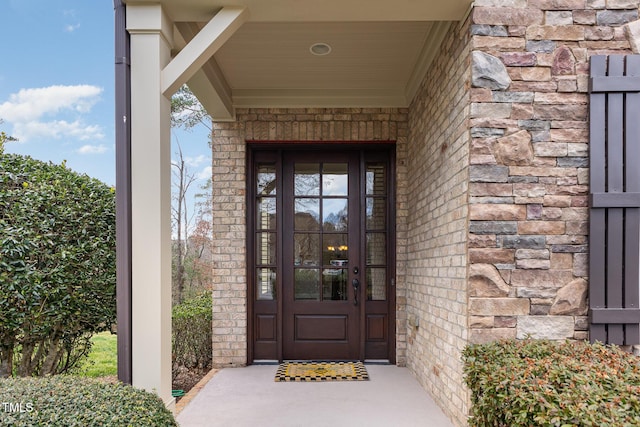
[[57, 86]]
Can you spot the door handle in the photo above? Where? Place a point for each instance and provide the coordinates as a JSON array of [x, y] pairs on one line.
[[356, 284]]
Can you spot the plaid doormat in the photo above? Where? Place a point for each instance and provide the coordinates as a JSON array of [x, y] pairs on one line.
[[322, 371]]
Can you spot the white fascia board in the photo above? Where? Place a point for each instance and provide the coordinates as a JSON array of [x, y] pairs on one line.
[[202, 47]]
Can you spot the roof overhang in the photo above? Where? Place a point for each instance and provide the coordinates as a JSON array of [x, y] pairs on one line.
[[256, 53]]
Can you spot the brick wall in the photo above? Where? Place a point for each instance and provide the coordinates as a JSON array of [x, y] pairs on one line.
[[436, 224], [229, 236], [333, 125], [528, 186]]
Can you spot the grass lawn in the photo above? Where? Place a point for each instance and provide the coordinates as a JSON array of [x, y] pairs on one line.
[[102, 360]]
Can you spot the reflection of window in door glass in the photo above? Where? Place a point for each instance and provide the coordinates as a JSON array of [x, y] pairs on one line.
[[266, 180], [266, 248], [335, 214], [335, 250], [376, 182], [266, 239], [334, 284], [376, 210], [376, 249], [307, 214], [376, 284], [307, 284], [335, 179], [306, 249], [306, 181], [266, 284], [266, 213]]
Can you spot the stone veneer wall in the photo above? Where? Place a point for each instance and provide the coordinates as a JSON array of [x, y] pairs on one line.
[[331, 125], [437, 225], [529, 188]]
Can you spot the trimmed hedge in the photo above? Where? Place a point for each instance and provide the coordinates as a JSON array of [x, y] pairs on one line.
[[57, 265], [192, 333], [538, 382], [74, 401]]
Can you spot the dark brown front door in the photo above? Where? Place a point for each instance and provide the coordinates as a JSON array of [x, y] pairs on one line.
[[322, 255], [322, 273]]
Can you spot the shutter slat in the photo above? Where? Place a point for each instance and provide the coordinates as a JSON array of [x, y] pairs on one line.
[[597, 127], [632, 218], [615, 231], [614, 84], [615, 200], [615, 315]]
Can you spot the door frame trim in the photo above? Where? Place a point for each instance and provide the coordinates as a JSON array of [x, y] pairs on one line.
[[278, 148]]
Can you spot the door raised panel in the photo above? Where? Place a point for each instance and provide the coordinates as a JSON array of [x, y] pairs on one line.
[[266, 327], [376, 327], [318, 327]]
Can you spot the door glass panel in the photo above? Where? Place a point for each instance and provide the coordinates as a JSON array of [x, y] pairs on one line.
[[266, 180], [306, 181], [376, 249], [334, 284], [376, 213], [266, 283], [306, 249], [335, 250], [376, 180], [307, 284], [266, 213], [307, 214], [334, 214], [376, 284], [266, 248], [335, 179]]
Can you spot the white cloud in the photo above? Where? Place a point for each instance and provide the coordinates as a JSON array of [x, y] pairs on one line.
[[27, 110], [205, 173], [70, 28], [56, 129], [196, 161], [92, 149]]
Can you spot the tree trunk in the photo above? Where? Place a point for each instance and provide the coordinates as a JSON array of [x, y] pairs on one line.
[[6, 360], [25, 368], [51, 362], [182, 181]]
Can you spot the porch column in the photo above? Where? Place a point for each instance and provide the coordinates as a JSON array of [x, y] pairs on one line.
[[151, 39]]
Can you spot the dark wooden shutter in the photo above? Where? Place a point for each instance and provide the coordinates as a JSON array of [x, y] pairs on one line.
[[614, 240]]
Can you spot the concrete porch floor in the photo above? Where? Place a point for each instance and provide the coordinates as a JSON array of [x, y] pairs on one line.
[[250, 397]]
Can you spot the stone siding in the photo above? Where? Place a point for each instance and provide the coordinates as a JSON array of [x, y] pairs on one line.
[[529, 185], [437, 225], [331, 125]]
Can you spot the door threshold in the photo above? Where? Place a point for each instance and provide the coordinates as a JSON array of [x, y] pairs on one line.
[[265, 362], [377, 362]]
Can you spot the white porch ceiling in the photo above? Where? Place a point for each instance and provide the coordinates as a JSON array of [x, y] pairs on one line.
[[380, 53]]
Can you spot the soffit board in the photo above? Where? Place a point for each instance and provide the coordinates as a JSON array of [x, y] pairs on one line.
[[380, 50]]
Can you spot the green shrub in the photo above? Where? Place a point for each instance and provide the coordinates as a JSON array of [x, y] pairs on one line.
[[531, 382], [192, 333], [72, 401], [57, 265]]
